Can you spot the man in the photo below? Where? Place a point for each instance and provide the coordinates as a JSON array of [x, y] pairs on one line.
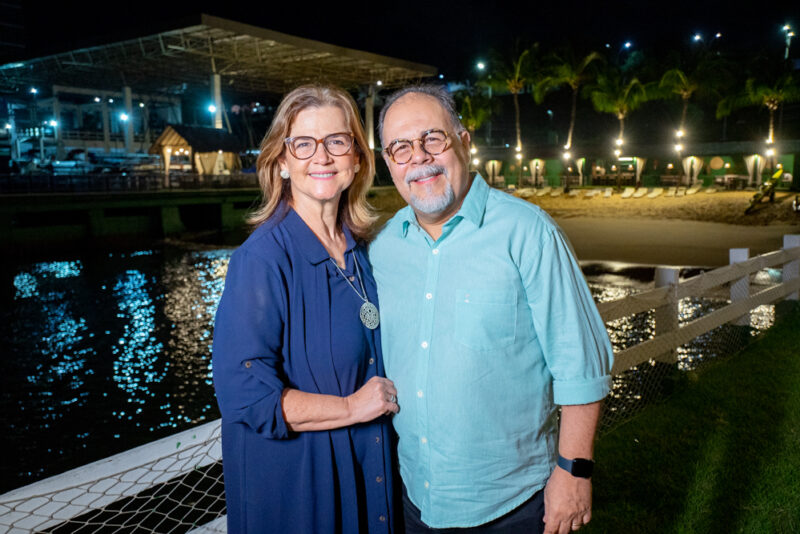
[[487, 324]]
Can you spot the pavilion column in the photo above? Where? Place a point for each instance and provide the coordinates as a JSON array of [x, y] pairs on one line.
[[216, 95], [369, 116], [58, 128], [128, 102], [106, 124]]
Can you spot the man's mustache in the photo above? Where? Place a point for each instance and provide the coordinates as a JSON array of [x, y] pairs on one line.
[[424, 172]]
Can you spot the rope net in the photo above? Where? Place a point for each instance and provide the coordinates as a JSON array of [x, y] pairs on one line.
[[175, 484]]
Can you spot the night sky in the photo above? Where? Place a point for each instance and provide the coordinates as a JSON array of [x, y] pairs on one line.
[[448, 35]]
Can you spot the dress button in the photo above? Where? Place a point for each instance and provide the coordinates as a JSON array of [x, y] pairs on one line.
[[371, 361], [352, 278], [377, 439], [382, 518], [424, 344], [428, 296], [378, 479], [248, 364]]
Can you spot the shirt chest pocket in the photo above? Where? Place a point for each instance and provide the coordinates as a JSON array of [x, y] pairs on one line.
[[485, 319]]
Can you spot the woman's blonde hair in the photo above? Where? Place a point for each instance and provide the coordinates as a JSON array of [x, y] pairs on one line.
[[354, 210]]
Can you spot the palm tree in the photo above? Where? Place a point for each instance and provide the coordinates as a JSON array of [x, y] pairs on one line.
[[570, 71], [611, 93], [784, 91], [679, 83], [474, 107], [513, 76]]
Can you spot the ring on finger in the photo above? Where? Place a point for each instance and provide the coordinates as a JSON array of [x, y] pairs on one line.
[[392, 399], [576, 526]]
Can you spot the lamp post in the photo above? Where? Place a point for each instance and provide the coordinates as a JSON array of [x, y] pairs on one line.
[[787, 29]]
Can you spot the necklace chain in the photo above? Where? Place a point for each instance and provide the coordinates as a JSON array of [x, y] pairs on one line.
[[358, 274]]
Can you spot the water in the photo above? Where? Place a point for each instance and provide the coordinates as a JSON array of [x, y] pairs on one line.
[[105, 351]]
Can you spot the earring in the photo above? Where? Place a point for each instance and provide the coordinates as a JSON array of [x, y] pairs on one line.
[[356, 167], [284, 174]]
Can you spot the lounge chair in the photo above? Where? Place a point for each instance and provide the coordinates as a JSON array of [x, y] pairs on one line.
[[575, 192], [680, 192], [694, 189], [655, 192], [543, 191], [557, 192], [671, 191], [642, 191], [608, 192], [711, 190], [628, 193], [591, 193]]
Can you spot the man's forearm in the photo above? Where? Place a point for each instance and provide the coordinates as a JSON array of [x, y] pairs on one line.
[[578, 428]]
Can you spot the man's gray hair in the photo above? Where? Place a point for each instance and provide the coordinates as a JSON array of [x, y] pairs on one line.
[[438, 92]]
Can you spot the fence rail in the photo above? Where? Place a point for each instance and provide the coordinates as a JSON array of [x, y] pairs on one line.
[[184, 472]]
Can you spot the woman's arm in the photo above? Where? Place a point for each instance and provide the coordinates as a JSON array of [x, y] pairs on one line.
[[304, 412]]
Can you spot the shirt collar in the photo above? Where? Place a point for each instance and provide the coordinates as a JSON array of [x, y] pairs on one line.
[[472, 209], [307, 242]]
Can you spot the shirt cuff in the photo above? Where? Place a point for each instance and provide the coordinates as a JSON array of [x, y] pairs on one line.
[[566, 392]]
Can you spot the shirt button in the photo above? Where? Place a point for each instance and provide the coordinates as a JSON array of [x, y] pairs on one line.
[[427, 484], [382, 518], [378, 479], [428, 296], [371, 361], [419, 394], [424, 344], [436, 251], [424, 440]]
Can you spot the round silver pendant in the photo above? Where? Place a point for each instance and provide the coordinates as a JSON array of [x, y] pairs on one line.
[[369, 315]]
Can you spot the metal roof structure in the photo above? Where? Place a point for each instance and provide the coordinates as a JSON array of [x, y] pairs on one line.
[[249, 59]]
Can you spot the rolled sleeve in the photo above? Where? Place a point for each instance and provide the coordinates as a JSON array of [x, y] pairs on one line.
[[247, 359], [571, 333]]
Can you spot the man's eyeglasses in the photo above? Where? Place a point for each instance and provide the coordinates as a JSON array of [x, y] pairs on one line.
[[433, 142], [303, 147]]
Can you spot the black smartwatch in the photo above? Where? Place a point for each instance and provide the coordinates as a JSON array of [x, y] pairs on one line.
[[579, 467]]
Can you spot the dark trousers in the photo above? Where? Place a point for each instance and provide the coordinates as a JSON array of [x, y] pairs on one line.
[[527, 518]]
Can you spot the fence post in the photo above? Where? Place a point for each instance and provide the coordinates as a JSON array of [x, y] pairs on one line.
[[791, 270], [666, 316], [740, 289]]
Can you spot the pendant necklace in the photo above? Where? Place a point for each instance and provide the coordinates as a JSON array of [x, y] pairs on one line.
[[369, 312]]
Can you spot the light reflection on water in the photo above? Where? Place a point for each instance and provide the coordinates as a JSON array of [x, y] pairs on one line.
[[109, 351]]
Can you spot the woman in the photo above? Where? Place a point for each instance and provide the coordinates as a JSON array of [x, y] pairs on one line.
[[297, 369]]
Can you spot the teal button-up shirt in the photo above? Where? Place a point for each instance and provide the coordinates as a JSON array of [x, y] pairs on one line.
[[484, 332]]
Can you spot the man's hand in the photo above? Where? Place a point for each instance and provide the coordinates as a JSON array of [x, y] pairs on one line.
[[567, 502]]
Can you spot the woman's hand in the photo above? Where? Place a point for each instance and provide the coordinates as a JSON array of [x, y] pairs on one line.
[[375, 398]]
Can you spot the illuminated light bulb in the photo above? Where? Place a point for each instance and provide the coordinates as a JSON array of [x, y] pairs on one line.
[[123, 116], [727, 165], [770, 152], [473, 150], [617, 152], [379, 83], [212, 108], [613, 167], [619, 142], [679, 133], [669, 165], [678, 147], [518, 148], [779, 165], [567, 155], [97, 99], [141, 104], [476, 161], [518, 156]]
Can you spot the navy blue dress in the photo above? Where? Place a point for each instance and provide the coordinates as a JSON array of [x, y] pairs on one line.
[[287, 318]]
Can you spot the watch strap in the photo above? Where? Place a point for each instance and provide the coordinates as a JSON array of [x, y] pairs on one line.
[[578, 467]]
